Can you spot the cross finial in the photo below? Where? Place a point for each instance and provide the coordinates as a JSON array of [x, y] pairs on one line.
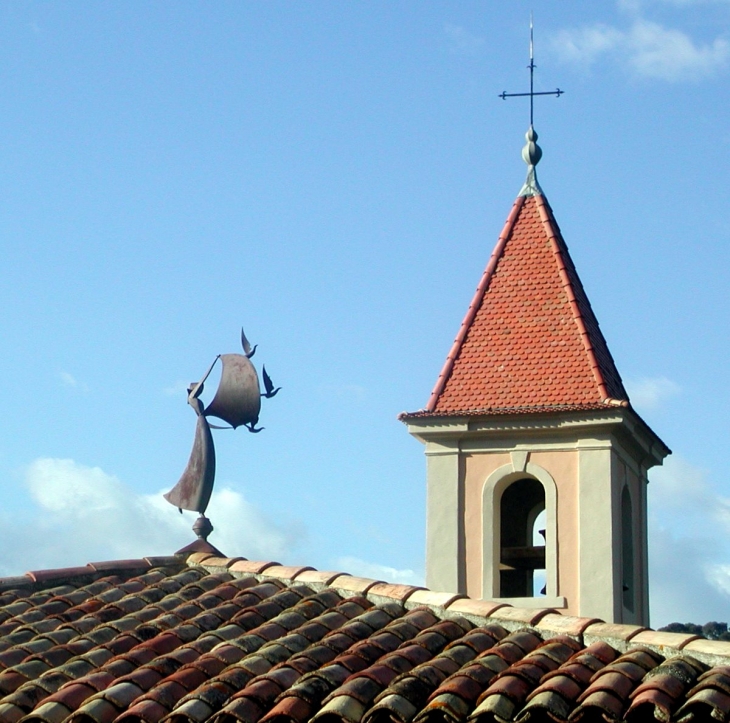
[[531, 67], [531, 153]]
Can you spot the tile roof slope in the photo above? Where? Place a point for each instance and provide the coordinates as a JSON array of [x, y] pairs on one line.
[[219, 640], [530, 340]]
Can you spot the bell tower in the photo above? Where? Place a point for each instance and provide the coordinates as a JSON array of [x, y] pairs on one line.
[[536, 461]]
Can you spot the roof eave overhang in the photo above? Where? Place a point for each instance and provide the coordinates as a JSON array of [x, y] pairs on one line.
[[623, 422]]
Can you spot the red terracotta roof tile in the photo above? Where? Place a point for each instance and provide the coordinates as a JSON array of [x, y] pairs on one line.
[[161, 645], [530, 341], [251, 566]]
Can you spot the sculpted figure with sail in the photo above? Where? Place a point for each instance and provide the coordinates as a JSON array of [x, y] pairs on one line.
[[237, 402]]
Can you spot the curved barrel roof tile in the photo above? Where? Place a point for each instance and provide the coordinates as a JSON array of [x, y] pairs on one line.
[[211, 640]]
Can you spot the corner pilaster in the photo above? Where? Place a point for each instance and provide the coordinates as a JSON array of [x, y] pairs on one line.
[[444, 517], [596, 585]]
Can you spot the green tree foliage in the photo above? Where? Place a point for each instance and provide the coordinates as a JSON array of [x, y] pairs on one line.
[[711, 631]]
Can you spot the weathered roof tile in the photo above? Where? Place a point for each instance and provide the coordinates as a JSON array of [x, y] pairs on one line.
[[295, 654]]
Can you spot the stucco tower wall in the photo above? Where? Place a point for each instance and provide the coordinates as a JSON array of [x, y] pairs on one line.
[[444, 517], [478, 468], [595, 537], [584, 462]]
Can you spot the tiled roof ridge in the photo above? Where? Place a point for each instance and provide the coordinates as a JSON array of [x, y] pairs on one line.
[[547, 622], [475, 304], [92, 571], [603, 365]]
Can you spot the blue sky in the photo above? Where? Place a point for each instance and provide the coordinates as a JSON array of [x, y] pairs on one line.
[[333, 176]]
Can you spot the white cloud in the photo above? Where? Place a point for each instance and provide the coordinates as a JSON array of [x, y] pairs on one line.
[[648, 49], [679, 488], [362, 568], [77, 514], [63, 487], [682, 587], [586, 45], [68, 380], [179, 388], [82, 514], [689, 523], [697, 2], [461, 41], [691, 2], [649, 393], [657, 52], [719, 577]]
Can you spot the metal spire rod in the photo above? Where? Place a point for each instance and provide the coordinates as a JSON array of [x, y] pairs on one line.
[[557, 92]]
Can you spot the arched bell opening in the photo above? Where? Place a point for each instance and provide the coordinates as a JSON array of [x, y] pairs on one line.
[[520, 557], [539, 536]]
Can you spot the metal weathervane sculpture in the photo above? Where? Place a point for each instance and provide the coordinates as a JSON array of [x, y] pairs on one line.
[[237, 401]]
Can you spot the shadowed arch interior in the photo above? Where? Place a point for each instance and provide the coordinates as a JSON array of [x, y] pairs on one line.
[[521, 503]]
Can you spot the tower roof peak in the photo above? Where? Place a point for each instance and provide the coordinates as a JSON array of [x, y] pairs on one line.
[[531, 155]]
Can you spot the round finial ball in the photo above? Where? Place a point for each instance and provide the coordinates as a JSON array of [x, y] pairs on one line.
[[531, 153], [202, 527]]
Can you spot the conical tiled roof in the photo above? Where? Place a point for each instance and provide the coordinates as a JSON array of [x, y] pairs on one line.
[[530, 340]]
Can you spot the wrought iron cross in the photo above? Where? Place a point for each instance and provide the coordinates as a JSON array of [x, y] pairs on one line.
[[557, 92]]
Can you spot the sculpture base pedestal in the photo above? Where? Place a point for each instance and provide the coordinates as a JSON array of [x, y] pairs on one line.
[[202, 528], [200, 545]]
